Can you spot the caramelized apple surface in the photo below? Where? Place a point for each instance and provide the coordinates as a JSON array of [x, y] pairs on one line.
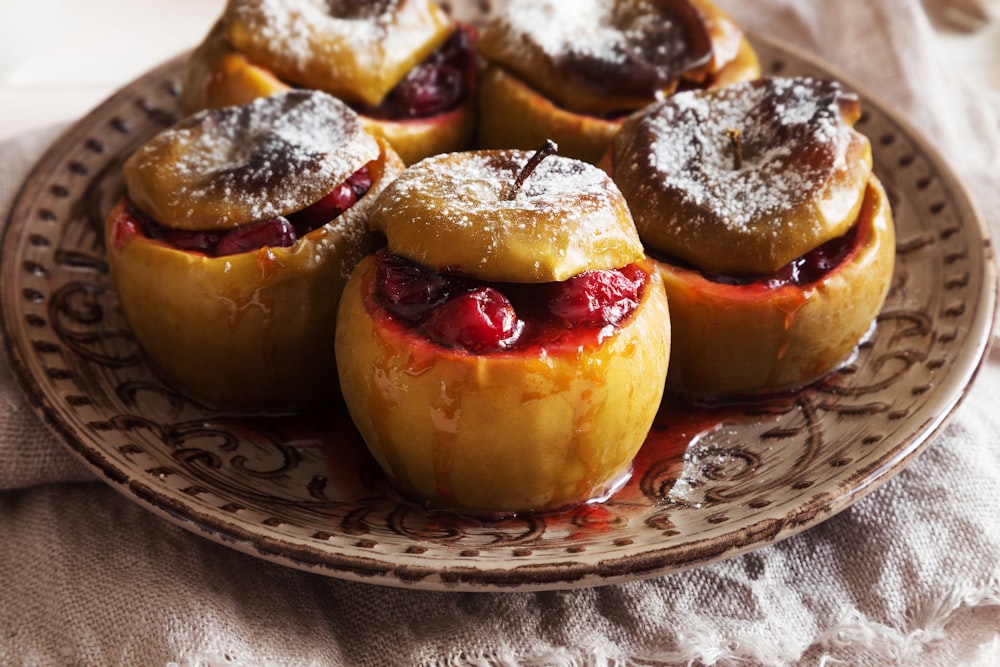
[[455, 213], [544, 81], [744, 179], [357, 50], [599, 57], [225, 167]]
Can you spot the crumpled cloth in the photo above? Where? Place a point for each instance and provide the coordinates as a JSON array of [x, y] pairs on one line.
[[910, 575]]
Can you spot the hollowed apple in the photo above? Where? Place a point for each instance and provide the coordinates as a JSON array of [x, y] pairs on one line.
[[742, 338], [525, 429]]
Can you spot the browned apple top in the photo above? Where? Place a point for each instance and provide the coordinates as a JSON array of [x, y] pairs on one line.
[[357, 50], [226, 167], [461, 213], [596, 56], [744, 179]]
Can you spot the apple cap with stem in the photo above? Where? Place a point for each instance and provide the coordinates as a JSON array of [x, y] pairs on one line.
[[508, 215]]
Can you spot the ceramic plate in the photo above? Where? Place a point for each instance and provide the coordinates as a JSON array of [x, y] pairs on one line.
[[302, 492]]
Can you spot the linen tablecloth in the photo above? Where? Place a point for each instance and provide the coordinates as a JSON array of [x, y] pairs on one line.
[[910, 575]]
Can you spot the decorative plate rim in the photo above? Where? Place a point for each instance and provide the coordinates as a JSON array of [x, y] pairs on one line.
[[562, 570]]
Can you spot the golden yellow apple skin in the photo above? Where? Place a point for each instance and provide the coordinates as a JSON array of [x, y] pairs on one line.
[[219, 76], [741, 339], [355, 51], [514, 115], [248, 331], [500, 433]]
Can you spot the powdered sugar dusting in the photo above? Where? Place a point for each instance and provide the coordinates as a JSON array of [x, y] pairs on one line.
[[480, 180], [791, 138], [355, 49], [566, 214], [225, 167], [637, 47], [559, 28], [291, 24]]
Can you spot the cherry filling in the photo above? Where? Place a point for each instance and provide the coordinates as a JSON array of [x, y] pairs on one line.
[[804, 270], [467, 314], [438, 84], [278, 232]]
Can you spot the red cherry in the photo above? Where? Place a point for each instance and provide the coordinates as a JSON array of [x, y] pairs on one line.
[[815, 264], [193, 241], [789, 274], [595, 298], [635, 274], [435, 86], [408, 290], [360, 181], [478, 321], [458, 48], [329, 207], [428, 90], [274, 233]]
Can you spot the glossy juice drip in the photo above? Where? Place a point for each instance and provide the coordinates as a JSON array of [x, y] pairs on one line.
[[679, 425], [463, 428]]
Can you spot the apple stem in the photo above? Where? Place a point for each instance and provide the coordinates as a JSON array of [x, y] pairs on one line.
[[548, 148], [734, 138]]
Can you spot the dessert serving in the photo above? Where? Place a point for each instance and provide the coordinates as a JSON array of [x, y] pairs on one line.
[[572, 71], [238, 231], [404, 66], [507, 351], [711, 480], [774, 238]]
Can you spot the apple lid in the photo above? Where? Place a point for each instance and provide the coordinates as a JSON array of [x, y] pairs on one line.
[[357, 50], [466, 213], [221, 168], [744, 179]]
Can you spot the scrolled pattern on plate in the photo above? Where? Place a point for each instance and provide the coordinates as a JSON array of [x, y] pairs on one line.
[[302, 491]]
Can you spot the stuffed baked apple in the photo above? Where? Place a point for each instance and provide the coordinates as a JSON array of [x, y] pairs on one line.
[[507, 351], [572, 71], [774, 238], [405, 67], [238, 231]]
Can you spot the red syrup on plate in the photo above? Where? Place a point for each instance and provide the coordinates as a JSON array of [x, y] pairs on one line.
[[351, 476], [354, 475]]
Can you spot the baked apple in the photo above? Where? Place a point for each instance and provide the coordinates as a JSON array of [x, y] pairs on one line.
[[238, 231], [572, 71], [507, 352], [774, 238], [405, 67]]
